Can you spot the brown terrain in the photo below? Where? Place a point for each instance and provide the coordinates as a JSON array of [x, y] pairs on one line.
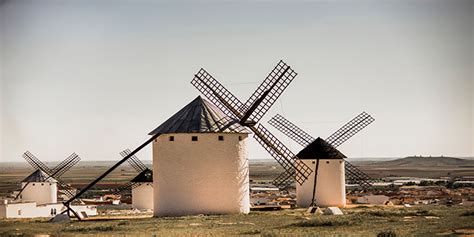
[[260, 170]]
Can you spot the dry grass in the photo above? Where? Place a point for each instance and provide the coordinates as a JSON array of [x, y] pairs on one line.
[[371, 221]]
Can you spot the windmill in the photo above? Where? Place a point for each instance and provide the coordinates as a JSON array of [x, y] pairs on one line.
[[44, 174], [248, 114], [140, 186], [316, 150]]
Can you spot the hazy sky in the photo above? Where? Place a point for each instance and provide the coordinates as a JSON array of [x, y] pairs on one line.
[[94, 77]]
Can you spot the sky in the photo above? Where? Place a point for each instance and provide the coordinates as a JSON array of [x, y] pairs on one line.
[[94, 77]]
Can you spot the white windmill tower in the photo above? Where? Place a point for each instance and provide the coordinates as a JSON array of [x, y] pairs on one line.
[[200, 166], [42, 185], [142, 191], [326, 186], [40, 188]]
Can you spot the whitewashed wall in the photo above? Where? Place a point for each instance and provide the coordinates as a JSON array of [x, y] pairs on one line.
[[330, 187], [40, 192], [28, 210], [207, 176], [142, 197], [32, 210]]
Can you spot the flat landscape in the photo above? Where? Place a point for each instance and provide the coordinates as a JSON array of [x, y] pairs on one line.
[[359, 220], [260, 170]]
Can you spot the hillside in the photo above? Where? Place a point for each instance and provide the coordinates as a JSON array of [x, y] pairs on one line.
[[416, 161]]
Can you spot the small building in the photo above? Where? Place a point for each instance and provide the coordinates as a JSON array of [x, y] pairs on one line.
[[142, 190], [373, 199], [38, 197], [200, 163], [33, 210], [330, 184]]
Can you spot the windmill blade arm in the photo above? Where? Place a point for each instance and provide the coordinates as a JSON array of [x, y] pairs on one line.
[[218, 94], [281, 154], [68, 190], [268, 92], [355, 175], [284, 180], [350, 129], [36, 163], [65, 168], [60, 169], [136, 163], [291, 130]]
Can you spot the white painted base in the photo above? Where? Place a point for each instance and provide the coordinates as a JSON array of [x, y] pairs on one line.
[[142, 197], [330, 188], [39, 192], [207, 176]]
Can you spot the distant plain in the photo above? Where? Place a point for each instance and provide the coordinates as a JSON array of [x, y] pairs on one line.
[[362, 221], [260, 170]]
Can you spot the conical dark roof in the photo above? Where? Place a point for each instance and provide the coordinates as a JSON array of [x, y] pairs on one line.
[[320, 149], [38, 176], [143, 177], [198, 116]]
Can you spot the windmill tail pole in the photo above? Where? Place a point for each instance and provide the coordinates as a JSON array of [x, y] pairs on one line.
[[313, 199], [68, 202], [19, 193]]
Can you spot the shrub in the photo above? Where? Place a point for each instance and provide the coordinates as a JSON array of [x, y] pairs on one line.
[[251, 232], [88, 228], [387, 233], [467, 213], [387, 213]]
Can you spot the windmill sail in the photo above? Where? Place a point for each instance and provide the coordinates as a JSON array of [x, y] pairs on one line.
[[254, 109]]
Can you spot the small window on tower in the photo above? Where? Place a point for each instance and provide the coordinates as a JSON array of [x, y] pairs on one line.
[[314, 162], [19, 212], [240, 138], [194, 138], [42, 184], [221, 138], [327, 162], [171, 138], [33, 184]]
